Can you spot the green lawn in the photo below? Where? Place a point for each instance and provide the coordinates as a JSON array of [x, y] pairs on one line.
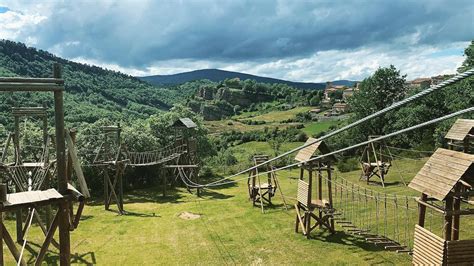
[[314, 128], [277, 116], [230, 230]]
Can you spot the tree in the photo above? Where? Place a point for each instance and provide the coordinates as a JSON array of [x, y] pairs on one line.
[[378, 91], [469, 61], [315, 100]]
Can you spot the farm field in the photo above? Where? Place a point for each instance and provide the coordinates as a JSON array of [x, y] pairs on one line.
[[278, 116], [314, 128], [229, 231]]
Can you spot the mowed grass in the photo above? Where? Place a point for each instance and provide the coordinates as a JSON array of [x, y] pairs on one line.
[[230, 230], [221, 126], [315, 128], [278, 116]]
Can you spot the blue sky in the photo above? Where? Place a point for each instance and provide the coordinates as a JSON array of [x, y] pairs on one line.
[[295, 40]]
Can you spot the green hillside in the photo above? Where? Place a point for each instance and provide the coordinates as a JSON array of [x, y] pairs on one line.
[[92, 92]]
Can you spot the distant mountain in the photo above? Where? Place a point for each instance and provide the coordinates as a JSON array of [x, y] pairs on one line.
[[217, 75]]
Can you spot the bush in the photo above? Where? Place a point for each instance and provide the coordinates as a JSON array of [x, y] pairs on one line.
[[348, 165]]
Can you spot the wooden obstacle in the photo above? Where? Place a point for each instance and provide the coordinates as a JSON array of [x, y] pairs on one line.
[[375, 162], [262, 192], [182, 160], [445, 181], [112, 159], [460, 135], [34, 199], [307, 208]]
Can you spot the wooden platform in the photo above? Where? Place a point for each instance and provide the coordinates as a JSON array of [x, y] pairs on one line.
[[460, 129], [30, 198]]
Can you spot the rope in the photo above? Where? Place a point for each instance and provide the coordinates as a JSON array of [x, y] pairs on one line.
[[24, 237]]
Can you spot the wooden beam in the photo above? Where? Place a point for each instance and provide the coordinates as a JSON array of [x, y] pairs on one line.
[[182, 166], [64, 237], [31, 80], [426, 204], [72, 151], [30, 87]]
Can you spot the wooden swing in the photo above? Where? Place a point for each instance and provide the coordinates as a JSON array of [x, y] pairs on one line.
[[320, 209], [374, 161], [261, 192]]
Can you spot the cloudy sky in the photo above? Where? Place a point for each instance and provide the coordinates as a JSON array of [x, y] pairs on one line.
[[294, 40]]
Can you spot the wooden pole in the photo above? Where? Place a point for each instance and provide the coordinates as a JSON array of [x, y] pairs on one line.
[[320, 192], [456, 208], [307, 214], [1, 237], [106, 187], [64, 237], [330, 191], [448, 218], [121, 169], [422, 210]]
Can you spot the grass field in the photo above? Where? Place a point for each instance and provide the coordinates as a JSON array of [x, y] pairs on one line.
[[314, 128], [277, 116], [229, 231]]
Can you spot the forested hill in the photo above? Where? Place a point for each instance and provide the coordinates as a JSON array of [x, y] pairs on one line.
[[218, 75], [92, 92]]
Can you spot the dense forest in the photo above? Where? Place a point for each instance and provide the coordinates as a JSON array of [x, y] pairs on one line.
[[92, 92]]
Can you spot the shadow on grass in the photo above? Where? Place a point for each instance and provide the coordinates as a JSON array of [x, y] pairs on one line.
[[387, 184], [352, 241], [52, 257]]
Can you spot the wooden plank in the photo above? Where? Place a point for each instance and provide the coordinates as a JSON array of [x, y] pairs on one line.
[[77, 165]]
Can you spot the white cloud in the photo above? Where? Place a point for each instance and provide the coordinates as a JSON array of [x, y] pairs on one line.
[[323, 66], [14, 23]]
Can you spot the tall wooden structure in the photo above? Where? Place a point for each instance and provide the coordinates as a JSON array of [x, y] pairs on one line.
[[445, 181], [375, 161], [319, 209], [33, 199], [186, 163], [112, 159], [461, 135], [262, 192]]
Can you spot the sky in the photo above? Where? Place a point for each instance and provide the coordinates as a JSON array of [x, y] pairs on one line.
[[310, 41]]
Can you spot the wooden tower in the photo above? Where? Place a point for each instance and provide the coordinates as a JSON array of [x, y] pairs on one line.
[[186, 163], [320, 209], [60, 198], [112, 158], [262, 192], [460, 135], [445, 182], [375, 161]]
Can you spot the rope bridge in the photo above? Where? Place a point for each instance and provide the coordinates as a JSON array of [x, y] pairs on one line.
[[148, 158]]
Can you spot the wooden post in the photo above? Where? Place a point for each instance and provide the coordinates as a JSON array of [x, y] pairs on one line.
[[164, 173], [448, 218], [320, 193], [1, 237], [121, 170], [456, 208], [106, 187], [16, 140], [307, 213], [422, 210], [64, 237], [330, 191]]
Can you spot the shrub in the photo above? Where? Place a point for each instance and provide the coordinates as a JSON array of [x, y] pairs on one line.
[[348, 165]]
